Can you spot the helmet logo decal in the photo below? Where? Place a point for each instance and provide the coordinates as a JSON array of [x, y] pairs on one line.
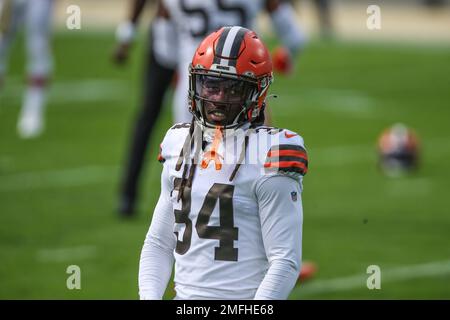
[[227, 49]]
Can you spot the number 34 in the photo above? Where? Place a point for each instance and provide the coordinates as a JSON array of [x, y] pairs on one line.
[[226, 233]]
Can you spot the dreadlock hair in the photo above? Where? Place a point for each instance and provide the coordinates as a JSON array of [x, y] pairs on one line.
[[183, 157], [189, 144], [255, 123], [259, 121]]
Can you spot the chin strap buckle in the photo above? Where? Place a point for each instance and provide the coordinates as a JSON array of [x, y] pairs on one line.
[[212, 155]]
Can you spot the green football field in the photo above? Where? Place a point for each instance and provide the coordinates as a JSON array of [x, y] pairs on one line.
[[58, 193]]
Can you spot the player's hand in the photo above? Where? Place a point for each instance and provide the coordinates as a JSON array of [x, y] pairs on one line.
[[282, 61], [125, 34], [121, 53]]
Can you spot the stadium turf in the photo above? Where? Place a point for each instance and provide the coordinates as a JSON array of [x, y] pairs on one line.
[[58, 193]]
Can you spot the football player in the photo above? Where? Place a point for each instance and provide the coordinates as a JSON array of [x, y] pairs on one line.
[[398, 149], [325, 19], [177, 30], [159, 73], [36, 16], [230, 214]]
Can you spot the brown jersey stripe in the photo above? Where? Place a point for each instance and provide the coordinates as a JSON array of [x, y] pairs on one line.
[[294, 169], [301, 171], [286, 159], [285, 164], [287, 153]]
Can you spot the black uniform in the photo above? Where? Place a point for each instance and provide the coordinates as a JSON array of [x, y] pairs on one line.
[[157, 80]]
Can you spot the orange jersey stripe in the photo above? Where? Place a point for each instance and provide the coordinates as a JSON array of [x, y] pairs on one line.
[[294, 153], [160, 158]]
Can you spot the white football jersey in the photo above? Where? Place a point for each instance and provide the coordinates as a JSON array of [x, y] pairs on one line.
[[220, 251], [198, 18], [36, 16], [164, 42]]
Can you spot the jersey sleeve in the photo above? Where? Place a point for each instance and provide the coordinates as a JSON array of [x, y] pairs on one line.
[[287, 155], [281, 216], [278, 192], [286, 27], [156, 261]]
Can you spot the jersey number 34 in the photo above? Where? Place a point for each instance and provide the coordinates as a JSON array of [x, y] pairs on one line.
[[226, 233]]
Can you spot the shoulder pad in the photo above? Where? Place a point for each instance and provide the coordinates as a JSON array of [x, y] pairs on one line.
[[286, 154], [183, 125], [267, 130], [173, 141]]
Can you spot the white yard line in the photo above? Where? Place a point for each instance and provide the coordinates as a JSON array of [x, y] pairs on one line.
[[359, 281], [89, 90], [412, 187], [72, 91], [73, 254], [340, 102], [72, 177]]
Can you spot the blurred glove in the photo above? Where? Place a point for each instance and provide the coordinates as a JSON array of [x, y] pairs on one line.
[[121, 53], [125, 34], [282, 61]]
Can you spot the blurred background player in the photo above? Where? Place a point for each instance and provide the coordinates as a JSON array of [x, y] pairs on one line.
[[196, 18], [35, 16], [192, 21], [160, 68], [434, 3], [324, 15], [398, 149]]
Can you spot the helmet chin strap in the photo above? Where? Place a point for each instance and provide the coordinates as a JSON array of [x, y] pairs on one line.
[[235, 121]]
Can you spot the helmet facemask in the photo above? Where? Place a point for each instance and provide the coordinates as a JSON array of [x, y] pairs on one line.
[[222, 99]]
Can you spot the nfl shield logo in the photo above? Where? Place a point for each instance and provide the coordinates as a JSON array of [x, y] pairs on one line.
[[294, 196]]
